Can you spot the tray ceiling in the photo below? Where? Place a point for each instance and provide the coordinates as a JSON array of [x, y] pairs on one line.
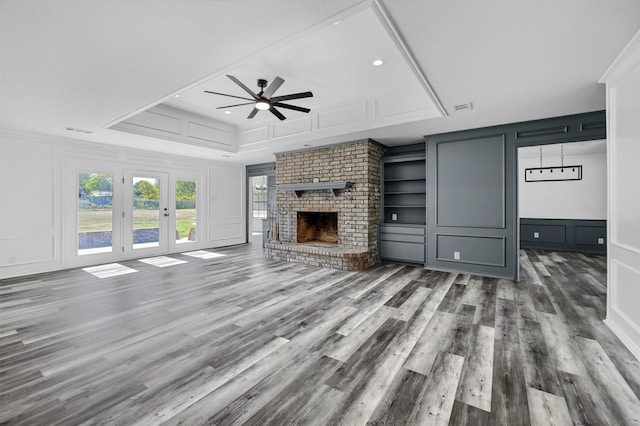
[[85, 65]]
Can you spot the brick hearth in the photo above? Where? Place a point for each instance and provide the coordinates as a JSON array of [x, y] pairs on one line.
[[358, 207]]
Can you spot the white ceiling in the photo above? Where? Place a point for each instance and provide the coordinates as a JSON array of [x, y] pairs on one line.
[[333, 60], [566, 149], [87, 64]]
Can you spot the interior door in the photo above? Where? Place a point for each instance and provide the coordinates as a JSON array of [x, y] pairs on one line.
[[146, 214]]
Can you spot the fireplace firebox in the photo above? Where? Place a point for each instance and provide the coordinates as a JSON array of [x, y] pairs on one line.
[[318, 228]]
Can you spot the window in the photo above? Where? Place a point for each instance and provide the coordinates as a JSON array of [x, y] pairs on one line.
[[185, 211], [260, 196], [95, 213]]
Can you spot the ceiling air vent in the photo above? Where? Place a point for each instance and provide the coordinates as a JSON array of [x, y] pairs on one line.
[[463, 107], [73, 129]]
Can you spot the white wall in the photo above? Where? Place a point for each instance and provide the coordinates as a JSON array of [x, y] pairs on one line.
[[623, 127], [580, 199], [38, 196], [227, 205], [30, 225]]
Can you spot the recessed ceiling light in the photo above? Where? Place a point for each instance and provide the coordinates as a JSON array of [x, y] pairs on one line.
[[227, 112], [177, 96], [336, 23], [377, 62]]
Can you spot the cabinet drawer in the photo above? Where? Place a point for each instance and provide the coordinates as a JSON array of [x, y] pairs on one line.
[[405, 238], [413, 230], [406, 252]]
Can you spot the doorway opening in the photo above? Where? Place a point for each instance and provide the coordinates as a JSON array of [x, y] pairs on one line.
[[562, 204], [261, 203]]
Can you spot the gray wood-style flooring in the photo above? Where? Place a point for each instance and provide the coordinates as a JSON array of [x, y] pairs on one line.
[[244, 340]]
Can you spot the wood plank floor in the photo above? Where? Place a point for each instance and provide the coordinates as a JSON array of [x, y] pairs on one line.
[[243, 340]]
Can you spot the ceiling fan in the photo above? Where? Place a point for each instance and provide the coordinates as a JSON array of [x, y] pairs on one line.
[[264, 99]]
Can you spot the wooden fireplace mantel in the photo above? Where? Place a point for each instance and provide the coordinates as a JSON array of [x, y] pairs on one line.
[[300, 188]]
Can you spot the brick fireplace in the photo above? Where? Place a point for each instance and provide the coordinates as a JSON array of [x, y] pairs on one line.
[[321, 227]]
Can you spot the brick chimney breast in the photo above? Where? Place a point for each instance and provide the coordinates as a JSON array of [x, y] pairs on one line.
[[357, 209]]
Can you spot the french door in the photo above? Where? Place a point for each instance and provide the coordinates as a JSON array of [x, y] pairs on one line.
[[132, 213], [147, 213]]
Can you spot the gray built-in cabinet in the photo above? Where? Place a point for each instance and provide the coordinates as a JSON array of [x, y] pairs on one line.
[[472, 191], [451, 203], [402, 233]]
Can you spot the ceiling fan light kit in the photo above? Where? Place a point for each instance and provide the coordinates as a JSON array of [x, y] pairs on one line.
[[264, 100], [262, 105]]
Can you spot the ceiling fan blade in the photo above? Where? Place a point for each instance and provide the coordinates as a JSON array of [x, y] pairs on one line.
[[277, 113], [224, 94], [293, 107], [292, 96], [275, 85], [253, 113], [245, 88], [231, 106]]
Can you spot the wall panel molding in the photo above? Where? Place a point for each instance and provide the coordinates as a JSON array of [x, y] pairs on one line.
[[155, 121], [291, 127], [344, 115], [473, 249], [564, 234], [176, 125], [356, 116], [47, 241], [542, 132], [253, 136], [472, 170], [572, 128], [623, 91]]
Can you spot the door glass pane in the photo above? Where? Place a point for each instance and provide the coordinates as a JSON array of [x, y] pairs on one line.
[[146, 212], [95, 213], [259, 203], [185, 211]]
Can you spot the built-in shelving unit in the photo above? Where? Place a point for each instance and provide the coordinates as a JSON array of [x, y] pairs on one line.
[[404, 190], [402, 233]]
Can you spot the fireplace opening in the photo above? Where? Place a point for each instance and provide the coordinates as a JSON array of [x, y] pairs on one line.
[[318, 228]]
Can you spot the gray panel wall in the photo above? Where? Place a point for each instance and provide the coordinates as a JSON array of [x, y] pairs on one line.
[[488, 251], [471, 170], [564, 234], [473, 173], [469, 216]]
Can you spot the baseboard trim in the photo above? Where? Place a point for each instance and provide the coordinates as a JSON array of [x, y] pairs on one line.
[[624, 337]]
